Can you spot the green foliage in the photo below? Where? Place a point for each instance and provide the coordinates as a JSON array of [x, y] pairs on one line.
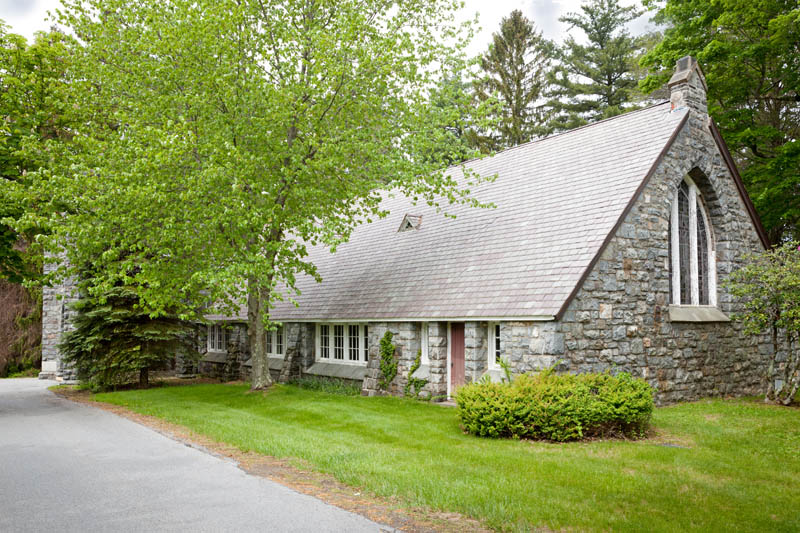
[[34, 113], [25, 368], [457, 140], [415, 384], [595, 80], [220, 139], [750, 54], [508, 374], [558, 407], [116, 342], [768, 286], [514, 73], [344, 387], [388, 361]]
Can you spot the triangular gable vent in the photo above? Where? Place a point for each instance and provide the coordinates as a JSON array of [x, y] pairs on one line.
[[410, 222]]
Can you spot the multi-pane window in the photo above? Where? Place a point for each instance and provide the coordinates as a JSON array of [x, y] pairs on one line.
[[353, 338], [275, 341], [691, 252], [494, 345], [342, 343], [338, 342], [216, 338], [365, 353], [325, 341]]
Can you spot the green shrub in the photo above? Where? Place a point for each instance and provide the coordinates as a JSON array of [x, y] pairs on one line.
[[557, 407]]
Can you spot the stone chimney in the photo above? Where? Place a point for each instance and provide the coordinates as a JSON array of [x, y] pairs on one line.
[[687, 87]]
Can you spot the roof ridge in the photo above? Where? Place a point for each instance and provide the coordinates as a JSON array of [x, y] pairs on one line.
[[561, 133]]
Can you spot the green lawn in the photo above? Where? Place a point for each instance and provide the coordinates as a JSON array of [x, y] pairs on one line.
[[739, 472]]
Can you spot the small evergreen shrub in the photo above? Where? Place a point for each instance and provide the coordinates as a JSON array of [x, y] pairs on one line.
[[557, 407]]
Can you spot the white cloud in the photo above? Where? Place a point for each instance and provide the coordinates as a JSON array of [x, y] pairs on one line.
[[27, 16]]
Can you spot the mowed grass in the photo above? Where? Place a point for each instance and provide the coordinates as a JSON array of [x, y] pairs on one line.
[[739, 470]]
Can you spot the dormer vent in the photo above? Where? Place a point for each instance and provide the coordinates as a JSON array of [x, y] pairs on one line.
[[410, 222]]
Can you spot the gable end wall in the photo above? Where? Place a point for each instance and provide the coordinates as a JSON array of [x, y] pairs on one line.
[[619, 318]]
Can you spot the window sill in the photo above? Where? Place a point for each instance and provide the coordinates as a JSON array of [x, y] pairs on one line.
[[423, 372], [338, 370], [696, 313]]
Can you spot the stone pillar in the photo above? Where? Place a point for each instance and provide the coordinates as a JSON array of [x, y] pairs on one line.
[[238, 351], [475, 350], [186, 359], [437, 354], [299, 338], [56, 320], [408, 342], [371, 384]]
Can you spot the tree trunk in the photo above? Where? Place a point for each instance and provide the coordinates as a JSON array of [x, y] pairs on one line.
[[257, 305], [144, 378]]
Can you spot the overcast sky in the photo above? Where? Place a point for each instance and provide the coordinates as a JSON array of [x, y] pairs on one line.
[[28, 16]]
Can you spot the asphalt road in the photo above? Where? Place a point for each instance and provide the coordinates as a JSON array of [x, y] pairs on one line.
[[70, 467]]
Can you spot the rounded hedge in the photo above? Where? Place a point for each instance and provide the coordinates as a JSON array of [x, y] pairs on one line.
[[557, 407]]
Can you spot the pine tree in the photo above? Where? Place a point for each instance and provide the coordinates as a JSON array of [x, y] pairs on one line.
[[595, 80], [515, 72], [115, 342]]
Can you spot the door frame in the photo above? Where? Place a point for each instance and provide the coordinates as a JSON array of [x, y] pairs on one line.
[[449, 356]]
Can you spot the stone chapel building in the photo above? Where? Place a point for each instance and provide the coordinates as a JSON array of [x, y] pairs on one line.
[[607, 249]]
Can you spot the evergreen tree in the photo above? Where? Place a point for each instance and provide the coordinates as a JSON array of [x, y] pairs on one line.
[[115, 340], [514, 71], [453, 96], [595, 80]]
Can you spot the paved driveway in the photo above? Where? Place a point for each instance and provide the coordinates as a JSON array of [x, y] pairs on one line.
[[70, 467]]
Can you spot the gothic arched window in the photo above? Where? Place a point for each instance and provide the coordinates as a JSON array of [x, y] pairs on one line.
[[693, 280]]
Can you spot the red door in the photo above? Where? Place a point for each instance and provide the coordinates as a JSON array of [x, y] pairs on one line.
[[456, 355]]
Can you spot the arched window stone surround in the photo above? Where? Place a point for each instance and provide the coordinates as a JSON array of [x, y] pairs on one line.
[[691, 306]]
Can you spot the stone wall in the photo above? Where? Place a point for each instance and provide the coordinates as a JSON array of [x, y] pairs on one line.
[[408, 342], [56, 320]]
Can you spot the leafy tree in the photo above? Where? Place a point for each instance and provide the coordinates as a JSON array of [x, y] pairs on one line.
[[595, 80], [769, 286], [115, 340], [33, 108], [33, 77], [220, 139], [514, 72], [750, 53]]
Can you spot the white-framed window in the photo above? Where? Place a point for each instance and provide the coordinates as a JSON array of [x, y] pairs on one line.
[[217, 338], [342, 343], [423, 343], [275, 342], [493, 345], [693, 277]]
